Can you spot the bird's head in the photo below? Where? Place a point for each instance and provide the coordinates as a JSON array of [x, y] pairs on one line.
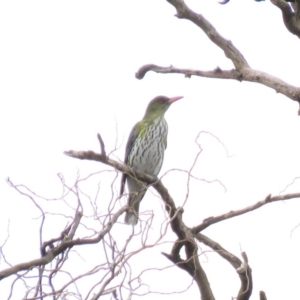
[[158, 106]]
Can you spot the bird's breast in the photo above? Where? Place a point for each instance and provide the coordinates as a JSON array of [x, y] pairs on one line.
[[148, 150]]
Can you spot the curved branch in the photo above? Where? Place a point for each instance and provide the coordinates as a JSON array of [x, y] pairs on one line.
[[245, 273], [191, 265], [212, 220], [184, 12]]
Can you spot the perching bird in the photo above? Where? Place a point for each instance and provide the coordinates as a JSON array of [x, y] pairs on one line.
[[145, 152]]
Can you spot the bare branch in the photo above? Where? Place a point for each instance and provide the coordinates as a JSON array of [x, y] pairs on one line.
[[17, 187], [74, 226], [212, 220], [232, 259], [184, 12], [242, 269], [216, 73], [246, 74], [66, 244], [242, 71], [192, 266], [102, 146]]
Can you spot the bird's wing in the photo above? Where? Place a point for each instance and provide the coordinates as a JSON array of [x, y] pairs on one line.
[[166, 137], [165, 142], [131, 140]]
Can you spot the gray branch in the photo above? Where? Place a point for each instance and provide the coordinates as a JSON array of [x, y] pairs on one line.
[[212, 220], [242, 70]]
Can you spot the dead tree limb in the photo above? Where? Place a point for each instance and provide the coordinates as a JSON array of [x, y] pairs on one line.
[[242, 70]]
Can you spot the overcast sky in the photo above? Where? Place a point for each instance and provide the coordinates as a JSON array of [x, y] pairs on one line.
[[68, 72]]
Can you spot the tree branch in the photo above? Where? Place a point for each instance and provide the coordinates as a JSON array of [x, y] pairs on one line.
[[243, 269], [65, 244], [184, 234], [154, 181], [247, 74], [191, 265], [232, 259], [212, 220], [184, 12], [242, 71], [216, 73]]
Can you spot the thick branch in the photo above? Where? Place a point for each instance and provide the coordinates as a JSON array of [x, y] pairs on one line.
[[191, 264], [212, 220], [290, 17]]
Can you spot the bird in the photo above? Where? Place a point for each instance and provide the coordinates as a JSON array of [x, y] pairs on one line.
[[145, 152]]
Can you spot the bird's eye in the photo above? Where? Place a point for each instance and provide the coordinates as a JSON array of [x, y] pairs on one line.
[[161, 100]]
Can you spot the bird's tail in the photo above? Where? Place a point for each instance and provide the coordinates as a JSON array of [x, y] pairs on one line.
[[131, 218], [132, 214], [137, 191]]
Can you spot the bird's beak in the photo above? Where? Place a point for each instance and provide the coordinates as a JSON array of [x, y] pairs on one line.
[[171, 100]]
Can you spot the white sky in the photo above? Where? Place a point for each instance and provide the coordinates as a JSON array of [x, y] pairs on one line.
[[68, 71]]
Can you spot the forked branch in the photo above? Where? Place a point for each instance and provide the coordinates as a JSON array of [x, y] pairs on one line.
[[242, 70]]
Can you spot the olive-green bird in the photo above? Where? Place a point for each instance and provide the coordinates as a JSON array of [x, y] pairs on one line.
[[145, 152]]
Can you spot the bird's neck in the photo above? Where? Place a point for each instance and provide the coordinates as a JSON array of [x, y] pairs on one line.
[[154, 120]]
